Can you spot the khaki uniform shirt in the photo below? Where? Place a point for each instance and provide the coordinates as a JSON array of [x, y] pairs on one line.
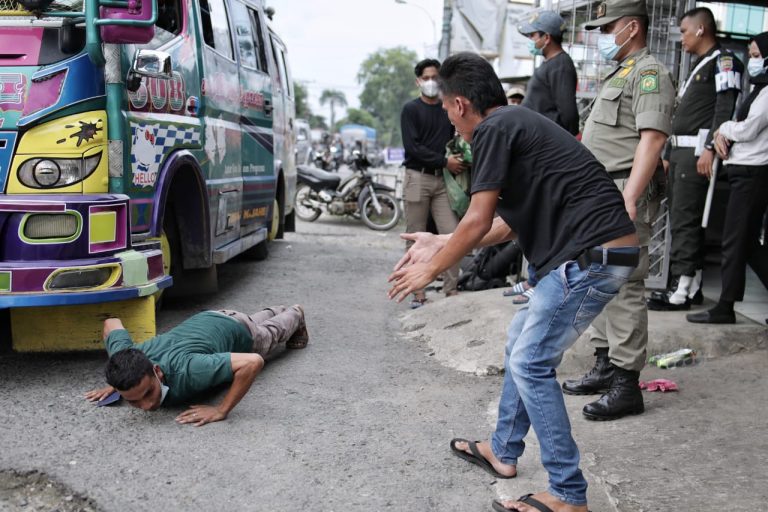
[[637, 95]]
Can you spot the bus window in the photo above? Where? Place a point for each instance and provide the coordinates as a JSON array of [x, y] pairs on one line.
[[216, 26], [258, 39], [245, 40]]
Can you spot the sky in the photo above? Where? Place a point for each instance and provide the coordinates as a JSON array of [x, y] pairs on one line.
[[328, 40]]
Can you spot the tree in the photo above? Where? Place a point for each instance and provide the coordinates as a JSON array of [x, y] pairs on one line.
[[357, 116], [388, 83], [317, 121], [336, 99], [302, 106]]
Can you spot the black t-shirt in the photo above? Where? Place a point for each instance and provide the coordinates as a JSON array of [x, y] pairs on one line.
[[554, 194], [552, 92], [426, 130]]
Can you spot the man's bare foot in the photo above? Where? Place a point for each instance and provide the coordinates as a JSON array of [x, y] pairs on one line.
[[484, 448], [547, 499]]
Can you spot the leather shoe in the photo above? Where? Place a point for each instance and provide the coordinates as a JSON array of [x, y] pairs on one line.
[[712, 317], [623, 398], [662, 303]]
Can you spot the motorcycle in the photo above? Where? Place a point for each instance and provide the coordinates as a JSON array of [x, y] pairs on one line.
[[356, 195]]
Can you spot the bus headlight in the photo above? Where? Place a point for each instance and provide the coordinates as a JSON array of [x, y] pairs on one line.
[[56, 172]]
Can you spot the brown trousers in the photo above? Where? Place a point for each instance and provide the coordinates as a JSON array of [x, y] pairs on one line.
[[422, 194], [269, 327]]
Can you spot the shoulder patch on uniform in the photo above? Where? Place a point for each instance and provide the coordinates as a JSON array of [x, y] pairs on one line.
[[725, 63], [649, 81]]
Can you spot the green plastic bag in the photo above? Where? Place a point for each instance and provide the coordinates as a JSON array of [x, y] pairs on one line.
[[457, 185]]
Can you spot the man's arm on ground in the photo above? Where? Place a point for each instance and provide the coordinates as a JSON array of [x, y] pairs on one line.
[[95, 395], [473, 229], [643, 167], [245, 368]]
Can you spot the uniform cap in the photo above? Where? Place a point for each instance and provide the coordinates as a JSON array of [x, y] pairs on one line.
[[548, 22], [611, 10], [516, 91]]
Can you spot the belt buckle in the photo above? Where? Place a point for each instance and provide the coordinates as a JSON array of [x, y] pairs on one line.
[[605, 256]]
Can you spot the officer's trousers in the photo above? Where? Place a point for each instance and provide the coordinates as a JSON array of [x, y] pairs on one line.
[[747, 203], [622, 327], [687, 196]]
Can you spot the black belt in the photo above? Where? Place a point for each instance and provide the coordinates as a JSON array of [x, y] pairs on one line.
[[607, 256], [434, 171], [620, 175]]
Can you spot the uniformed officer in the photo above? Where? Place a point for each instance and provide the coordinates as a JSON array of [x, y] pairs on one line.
[[626, 130], [705, 100]]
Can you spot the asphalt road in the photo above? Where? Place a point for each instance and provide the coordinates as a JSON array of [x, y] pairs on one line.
[[358, 421]]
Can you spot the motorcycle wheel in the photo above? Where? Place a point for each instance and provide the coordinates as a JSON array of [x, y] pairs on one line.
[[303, 209], [390, 211]]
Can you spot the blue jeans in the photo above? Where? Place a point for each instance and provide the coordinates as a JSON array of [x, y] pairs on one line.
[[567, 299]]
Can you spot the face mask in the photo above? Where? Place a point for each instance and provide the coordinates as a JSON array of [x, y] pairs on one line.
[[756, 66], [429, 88], [606, 44], [163, 388], [532, 48]]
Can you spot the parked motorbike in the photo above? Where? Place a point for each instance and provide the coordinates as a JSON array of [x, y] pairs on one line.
[[356, 195]]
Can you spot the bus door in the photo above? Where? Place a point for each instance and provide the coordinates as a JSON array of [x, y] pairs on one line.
[[259, 184], [222, 137]]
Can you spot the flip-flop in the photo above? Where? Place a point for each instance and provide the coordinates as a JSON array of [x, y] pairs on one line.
[[475, 457], [114, 397], [524, 297], [528, 499], [515, 290]]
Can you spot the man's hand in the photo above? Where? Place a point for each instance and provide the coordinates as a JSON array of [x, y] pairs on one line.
[[99, 394], [408, 280], [704, 165], [630, 204], [722, 146], [199, 415], [455, 164], [425, 247]]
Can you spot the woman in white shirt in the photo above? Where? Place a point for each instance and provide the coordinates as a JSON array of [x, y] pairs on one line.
[[743, 146]]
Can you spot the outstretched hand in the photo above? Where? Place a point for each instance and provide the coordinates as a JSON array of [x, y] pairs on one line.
[[97, 395], [408, 280], [425, 246], [199, 415]]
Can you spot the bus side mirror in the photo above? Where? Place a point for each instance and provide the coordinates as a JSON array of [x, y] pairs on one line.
[[137, 11], [150, 63]]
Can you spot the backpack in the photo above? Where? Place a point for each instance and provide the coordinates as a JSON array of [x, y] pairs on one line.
[[490, 267]]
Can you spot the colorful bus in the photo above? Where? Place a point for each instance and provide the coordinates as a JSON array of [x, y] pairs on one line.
[[142, 142]]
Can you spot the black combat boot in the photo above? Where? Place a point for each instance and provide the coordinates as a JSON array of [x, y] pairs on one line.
[[624, 397], [596, 381]]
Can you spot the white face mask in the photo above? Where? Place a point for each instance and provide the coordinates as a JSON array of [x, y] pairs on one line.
[[606, 44], [756, 66], [163, 388], [429, 88]]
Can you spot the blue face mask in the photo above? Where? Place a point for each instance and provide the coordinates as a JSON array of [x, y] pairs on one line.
[[532, 48], [606, 44], [756, 66]]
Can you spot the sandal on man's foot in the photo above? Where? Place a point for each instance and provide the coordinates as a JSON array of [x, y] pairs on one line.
[[476, 457], [518, 289], [528, 499], [300, 338], [525, 297]]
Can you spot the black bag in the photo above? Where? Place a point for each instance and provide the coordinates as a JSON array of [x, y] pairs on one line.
[[490, 267]]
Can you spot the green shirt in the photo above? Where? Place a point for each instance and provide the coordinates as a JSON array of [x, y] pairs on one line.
[[194, 355], [637, 95]]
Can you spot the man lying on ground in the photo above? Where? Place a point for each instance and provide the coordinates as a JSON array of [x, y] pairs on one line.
[[206, 350]]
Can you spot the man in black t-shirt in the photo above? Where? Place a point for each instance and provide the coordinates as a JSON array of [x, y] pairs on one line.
[[552, 88], [426, 131], [569, 218]]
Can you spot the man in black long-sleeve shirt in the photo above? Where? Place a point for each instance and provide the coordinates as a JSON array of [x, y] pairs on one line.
[[552, 89], [426, 130]]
